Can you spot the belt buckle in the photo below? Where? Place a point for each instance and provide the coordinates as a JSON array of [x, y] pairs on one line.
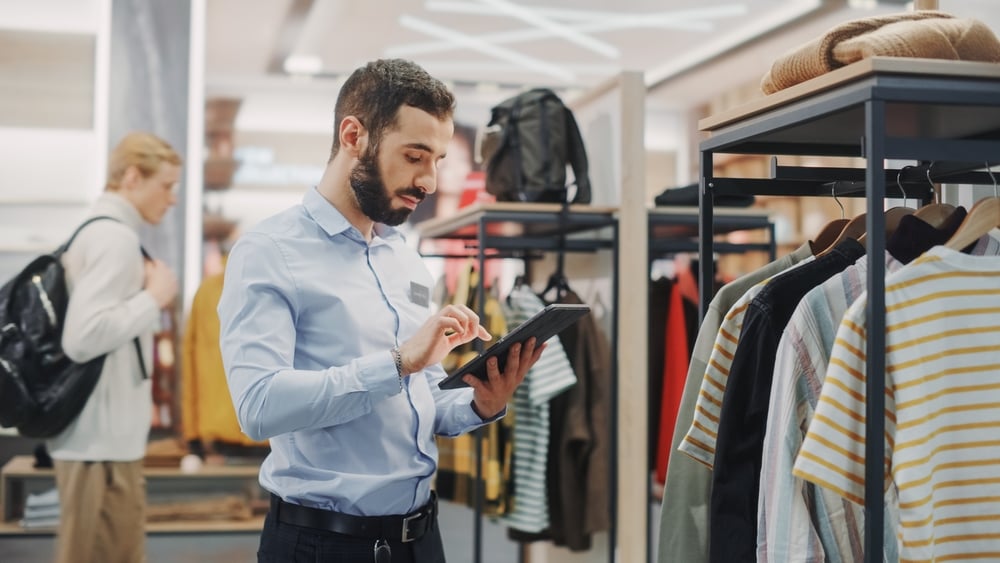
[[406, 526]]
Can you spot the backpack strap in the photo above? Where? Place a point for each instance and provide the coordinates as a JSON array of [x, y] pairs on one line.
[[142, 359], [577, 159], [145, 255], [65, 245]]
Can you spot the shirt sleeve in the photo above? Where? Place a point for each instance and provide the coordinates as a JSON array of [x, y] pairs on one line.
[[699, 441], [785, 529], [455, 414], [833, 452], [257, 314], [104, 312]]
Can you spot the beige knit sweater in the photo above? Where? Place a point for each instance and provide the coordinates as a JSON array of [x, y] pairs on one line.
[[922, 34]]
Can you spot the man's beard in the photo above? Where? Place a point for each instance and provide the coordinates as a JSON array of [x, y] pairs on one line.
[[372, 195]]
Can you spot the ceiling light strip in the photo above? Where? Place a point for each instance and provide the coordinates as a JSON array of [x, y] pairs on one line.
[[487, 68], [594, 16], [555, 28], [485, 47], [524, 35]]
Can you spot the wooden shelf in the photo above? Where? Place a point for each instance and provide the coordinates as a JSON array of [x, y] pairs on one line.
[[23, 466], [254, 525], [850, 73], [20, 471]]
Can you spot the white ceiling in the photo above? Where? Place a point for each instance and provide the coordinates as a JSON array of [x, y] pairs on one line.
[[555, 42], [689, 50]]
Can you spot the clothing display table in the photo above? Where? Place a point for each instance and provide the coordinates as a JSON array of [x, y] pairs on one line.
[[165, 485]]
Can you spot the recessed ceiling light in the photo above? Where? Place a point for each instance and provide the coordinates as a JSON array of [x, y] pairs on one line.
[[303, 64]]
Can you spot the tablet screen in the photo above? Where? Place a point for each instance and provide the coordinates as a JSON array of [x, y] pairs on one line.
[[547, 323]]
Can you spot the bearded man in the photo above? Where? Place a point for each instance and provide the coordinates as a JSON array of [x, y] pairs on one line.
[[332, 348]]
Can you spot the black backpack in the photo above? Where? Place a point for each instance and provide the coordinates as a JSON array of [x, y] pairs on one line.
[[41, 390], [528, 143]]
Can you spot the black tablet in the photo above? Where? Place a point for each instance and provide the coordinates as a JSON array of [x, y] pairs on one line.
[[547, 323]]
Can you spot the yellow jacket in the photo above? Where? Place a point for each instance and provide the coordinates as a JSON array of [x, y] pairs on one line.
[[206, 407]]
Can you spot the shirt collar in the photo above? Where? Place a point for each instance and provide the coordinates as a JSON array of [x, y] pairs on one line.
[[914, 236], [112, 204], [331, 220]]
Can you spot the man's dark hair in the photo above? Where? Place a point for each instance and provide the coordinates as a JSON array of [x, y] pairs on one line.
[[375, 92]]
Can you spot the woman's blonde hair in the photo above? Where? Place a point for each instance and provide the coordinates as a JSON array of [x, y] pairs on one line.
[[143, 150]]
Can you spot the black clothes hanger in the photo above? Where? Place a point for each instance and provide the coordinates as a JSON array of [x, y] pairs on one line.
[[559, 284], [557, 281]]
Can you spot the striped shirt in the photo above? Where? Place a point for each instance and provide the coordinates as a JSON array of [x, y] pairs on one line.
[[551, 375], [699, 442], [799, 521], [942, 407], [683, 533]]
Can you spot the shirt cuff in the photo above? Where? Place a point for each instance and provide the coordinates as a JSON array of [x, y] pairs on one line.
[[377, 373], [493, 418]]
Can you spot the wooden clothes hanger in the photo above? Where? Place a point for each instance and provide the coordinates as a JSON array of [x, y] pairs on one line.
[[824, 239], [830, 232], [983, 217], [892, 218], [854, 229], [935, 214], [894, 215]]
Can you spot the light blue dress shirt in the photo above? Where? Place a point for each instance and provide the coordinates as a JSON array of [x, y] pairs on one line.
[[309, 313]]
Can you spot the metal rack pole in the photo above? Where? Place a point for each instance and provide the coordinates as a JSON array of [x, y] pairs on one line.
[[706, 235], [477, 538], [772, 251], [875, 347]]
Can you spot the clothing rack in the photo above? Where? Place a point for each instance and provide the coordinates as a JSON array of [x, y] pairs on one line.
[[529, 228], [943, 114], [675, 230]]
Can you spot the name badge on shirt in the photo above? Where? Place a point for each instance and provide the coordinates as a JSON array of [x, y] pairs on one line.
[[419, 294]]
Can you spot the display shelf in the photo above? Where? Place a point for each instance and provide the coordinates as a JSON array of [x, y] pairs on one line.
[[253, 525], [19, 477], [945, 114], [507, 225], [675, 229], [838, 84], [529, 228]]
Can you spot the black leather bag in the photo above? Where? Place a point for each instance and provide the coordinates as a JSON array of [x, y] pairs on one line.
[[41, 390], [527, 145]]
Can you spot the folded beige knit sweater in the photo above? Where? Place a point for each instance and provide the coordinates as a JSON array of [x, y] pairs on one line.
[[922, 34]]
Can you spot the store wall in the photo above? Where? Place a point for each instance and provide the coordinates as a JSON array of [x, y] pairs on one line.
[[83, 73], [49, 135]]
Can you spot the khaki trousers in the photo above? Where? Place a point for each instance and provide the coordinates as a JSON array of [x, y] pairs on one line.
[[102, 512]]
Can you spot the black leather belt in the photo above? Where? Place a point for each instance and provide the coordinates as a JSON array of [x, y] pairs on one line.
[[401, 528]]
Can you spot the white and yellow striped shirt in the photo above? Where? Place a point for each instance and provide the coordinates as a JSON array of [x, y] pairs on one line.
[[942, 407]]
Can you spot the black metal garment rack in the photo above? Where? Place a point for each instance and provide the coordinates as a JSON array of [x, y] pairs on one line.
[[517, 230], [943, 114], [673, 230]]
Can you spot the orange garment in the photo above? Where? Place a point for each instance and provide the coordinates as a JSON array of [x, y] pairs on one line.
[[685, 280], [675, 365], [207, 411]]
